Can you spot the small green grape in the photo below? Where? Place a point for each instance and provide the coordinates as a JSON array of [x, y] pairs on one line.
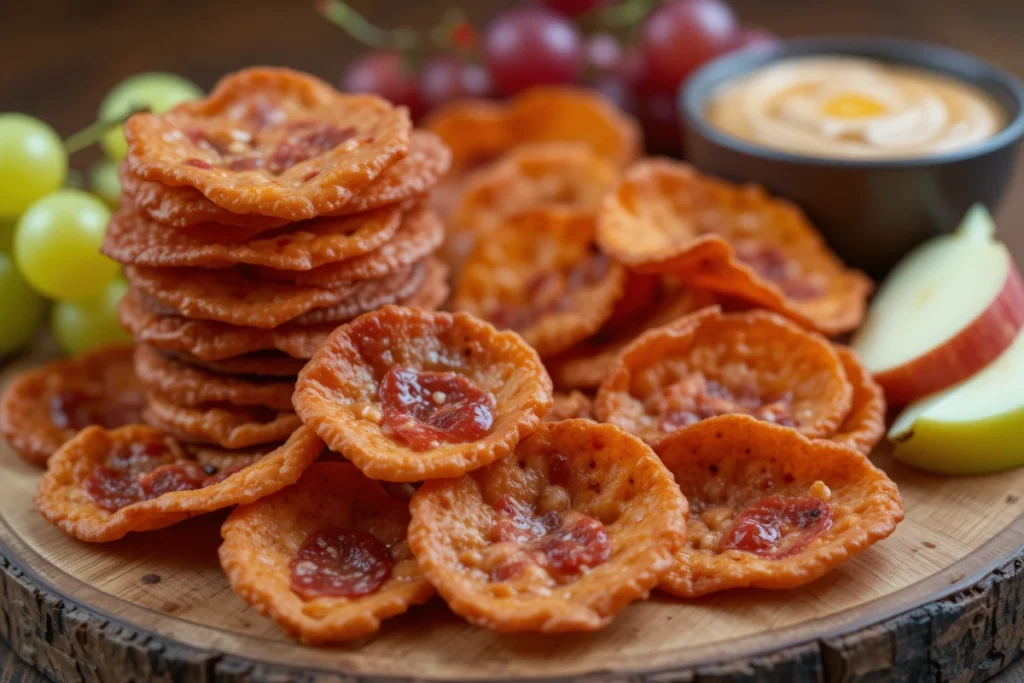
[[21, 309], [104, 183], [57, 242], [155, 90], [33, 162], [86, 324]]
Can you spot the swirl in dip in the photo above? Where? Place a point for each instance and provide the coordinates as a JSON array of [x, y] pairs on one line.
[[849, 107]]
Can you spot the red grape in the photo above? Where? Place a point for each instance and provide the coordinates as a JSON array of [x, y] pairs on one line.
[[572, 8], [445, 78], [526, 46], [659, 117], [386, 74], [603, 52], [682, 34], [751, 36]]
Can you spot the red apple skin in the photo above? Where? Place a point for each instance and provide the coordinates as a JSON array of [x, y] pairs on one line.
[[969, 351]]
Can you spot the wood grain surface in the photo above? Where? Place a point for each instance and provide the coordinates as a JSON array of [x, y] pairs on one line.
[[62, 55]]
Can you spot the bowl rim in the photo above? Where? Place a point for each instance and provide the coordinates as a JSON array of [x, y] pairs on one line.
[[945, 60]]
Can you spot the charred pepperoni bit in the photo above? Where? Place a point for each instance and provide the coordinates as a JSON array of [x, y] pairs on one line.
[[216, 477], [772, 264], [696, 398], [346, 563], [426, 409], [560, 541], [551, 292], [777, 527], [112, 489], [76, 411]]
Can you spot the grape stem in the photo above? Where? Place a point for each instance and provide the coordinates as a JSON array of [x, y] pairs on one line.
[[92, 133], [627, 13], [360, 28]]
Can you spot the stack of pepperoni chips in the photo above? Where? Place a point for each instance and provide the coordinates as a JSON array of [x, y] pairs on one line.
[[253, 223]]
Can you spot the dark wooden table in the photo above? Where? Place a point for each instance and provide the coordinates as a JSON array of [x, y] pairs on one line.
[[60, 56]]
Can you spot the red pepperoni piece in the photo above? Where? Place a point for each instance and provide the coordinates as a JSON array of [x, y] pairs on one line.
[[347, 563], [184, 475], [112, 489], [140, 457], [425, 409], [777, 527]]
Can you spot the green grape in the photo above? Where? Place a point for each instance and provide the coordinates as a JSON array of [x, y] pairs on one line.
[[104, 183], [33, 162], [6, 235], [21, 309], [89, 323], [157, 91], [57, 243]]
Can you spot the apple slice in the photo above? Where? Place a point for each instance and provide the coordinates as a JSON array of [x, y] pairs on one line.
[[974, 427], [947, 310]]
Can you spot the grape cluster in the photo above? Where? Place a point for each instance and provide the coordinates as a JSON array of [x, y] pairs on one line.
[[546, 44], [50, 234]]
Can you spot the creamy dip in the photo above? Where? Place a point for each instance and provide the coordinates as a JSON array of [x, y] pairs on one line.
[[848, 107]]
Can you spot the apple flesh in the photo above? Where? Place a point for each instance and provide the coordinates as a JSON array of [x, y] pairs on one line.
[[974, 427], [945, 312]]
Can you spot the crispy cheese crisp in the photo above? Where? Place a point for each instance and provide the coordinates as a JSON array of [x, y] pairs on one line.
[[560, 535], [211, 341], [408, 178], [273, 142], [104, 484], [666, 218], [478, 131], [193, 386], [770, 508], [407, 394], [220, 424], [47, 405], [568, 406], [134, 239], [326, 558], [259, 364], [543, 276], [711, 363], [864, 425]]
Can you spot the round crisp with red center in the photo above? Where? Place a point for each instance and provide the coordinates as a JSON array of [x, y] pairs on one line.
[[407, 394], [559, 535], [326, 558], [770, 508], [272, 142], [44, 407], [103, 484], [665, 217], [543, 276], [710, 363]]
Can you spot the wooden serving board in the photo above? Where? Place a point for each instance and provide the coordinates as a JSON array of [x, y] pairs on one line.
[[941, 599]]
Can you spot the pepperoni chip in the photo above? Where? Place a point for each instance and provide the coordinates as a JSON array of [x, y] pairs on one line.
[[45, 406], [419, 235], [560, 535], [770, 508], [222, 424], [134, 239], [239, 296], [273, 142], [410, 177], [543, 276], [103, 484], [212, 341], [408, 395], [665, 217], [710, 363], [568, 406], [585, 365], [565, 175], [326, 558], [478, 131], [864, 425], [193, 386]]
